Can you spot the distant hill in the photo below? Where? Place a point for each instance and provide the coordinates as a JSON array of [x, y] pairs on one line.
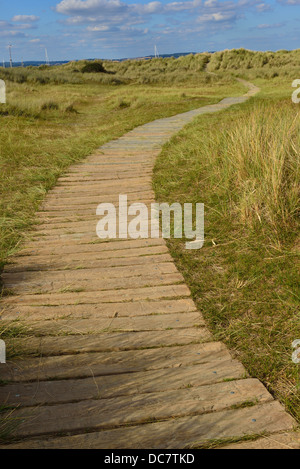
[[34, 63], [37, 63], [163, 56]]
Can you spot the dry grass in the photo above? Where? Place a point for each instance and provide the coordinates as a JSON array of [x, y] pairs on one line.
[[267, 65], [258, 163]]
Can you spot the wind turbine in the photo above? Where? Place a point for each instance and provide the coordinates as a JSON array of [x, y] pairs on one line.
[[10, 56], [156, 52], [47, 58]]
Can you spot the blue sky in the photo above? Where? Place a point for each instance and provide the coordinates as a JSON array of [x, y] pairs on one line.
[[76, 29]]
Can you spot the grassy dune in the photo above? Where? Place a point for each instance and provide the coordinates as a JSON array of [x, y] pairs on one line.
[[257, 64]]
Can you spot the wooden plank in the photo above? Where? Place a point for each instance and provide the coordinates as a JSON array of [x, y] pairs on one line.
[[100, 325], [88, 248], [182, 433], [84, 226], [107, 342], [53, 217], [102, 364], [89, 262], [97, 310], [52, 203], [85, 252], [72, 390], [140, 408], [34, 278], [108, 296], [95, 284], [107, 176], [95, 186]]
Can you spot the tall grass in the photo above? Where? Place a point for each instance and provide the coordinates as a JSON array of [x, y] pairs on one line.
[[189, 68], [256, 64], [57, 76], [258, 164], [244, 166], [252, 164], [266, 65]]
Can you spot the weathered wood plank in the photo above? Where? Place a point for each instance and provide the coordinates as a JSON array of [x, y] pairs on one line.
[[72, 390], [182, 433], [100, 414], [108, 296], [95, 364], [97, 310], [98, 325], [94, 284], [106, 342]]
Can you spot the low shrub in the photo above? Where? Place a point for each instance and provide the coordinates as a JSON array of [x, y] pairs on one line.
[[93, 67]]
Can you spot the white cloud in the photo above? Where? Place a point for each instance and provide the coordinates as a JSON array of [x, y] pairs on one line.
[[80, 7], [10, 33], [290, 2], [97, 28], [118, 21], [152, 7], [14, 29], [25, 18], [211, 3], [261, 7], [270, 26], [219, 16], [80, 11]]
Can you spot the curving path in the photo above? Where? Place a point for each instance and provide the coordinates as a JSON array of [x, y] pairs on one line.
[[118, 355]]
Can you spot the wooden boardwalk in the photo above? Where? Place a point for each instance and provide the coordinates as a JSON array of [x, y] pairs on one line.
[[119, 356]]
